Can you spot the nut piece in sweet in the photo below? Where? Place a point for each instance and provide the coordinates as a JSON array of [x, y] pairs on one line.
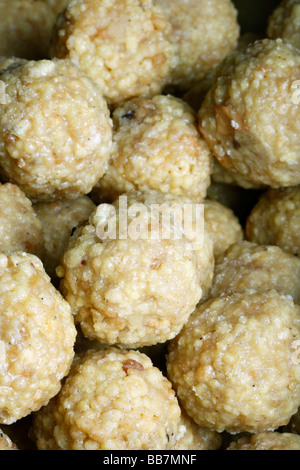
[[156, 145], [37, 336], [25, 29], [122, 45], [135, 287], [263, 267], [58, 220], [101, 406], [203, 32], [222, 226], [55, 130], [250, 116], [284, 22], [267, 441], [20, 229], [233, 364], [275, 220]]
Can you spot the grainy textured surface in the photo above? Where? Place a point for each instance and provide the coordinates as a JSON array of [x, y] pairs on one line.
[[193, 437], [122, 45], [232, 365], [267, 441], [250, 116], [58, 219], [192, 221], [55, 130], [275, 220], [20, 229], [60, 136], [25, 29], [131, 290], [203, 32], [285, 22], [37, 336], [196, 93], [222, 226], [255, 266], [222, 175], [156, 145], [104, 397]]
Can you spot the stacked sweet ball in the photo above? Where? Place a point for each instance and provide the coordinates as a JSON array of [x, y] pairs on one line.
[[170, 335]]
